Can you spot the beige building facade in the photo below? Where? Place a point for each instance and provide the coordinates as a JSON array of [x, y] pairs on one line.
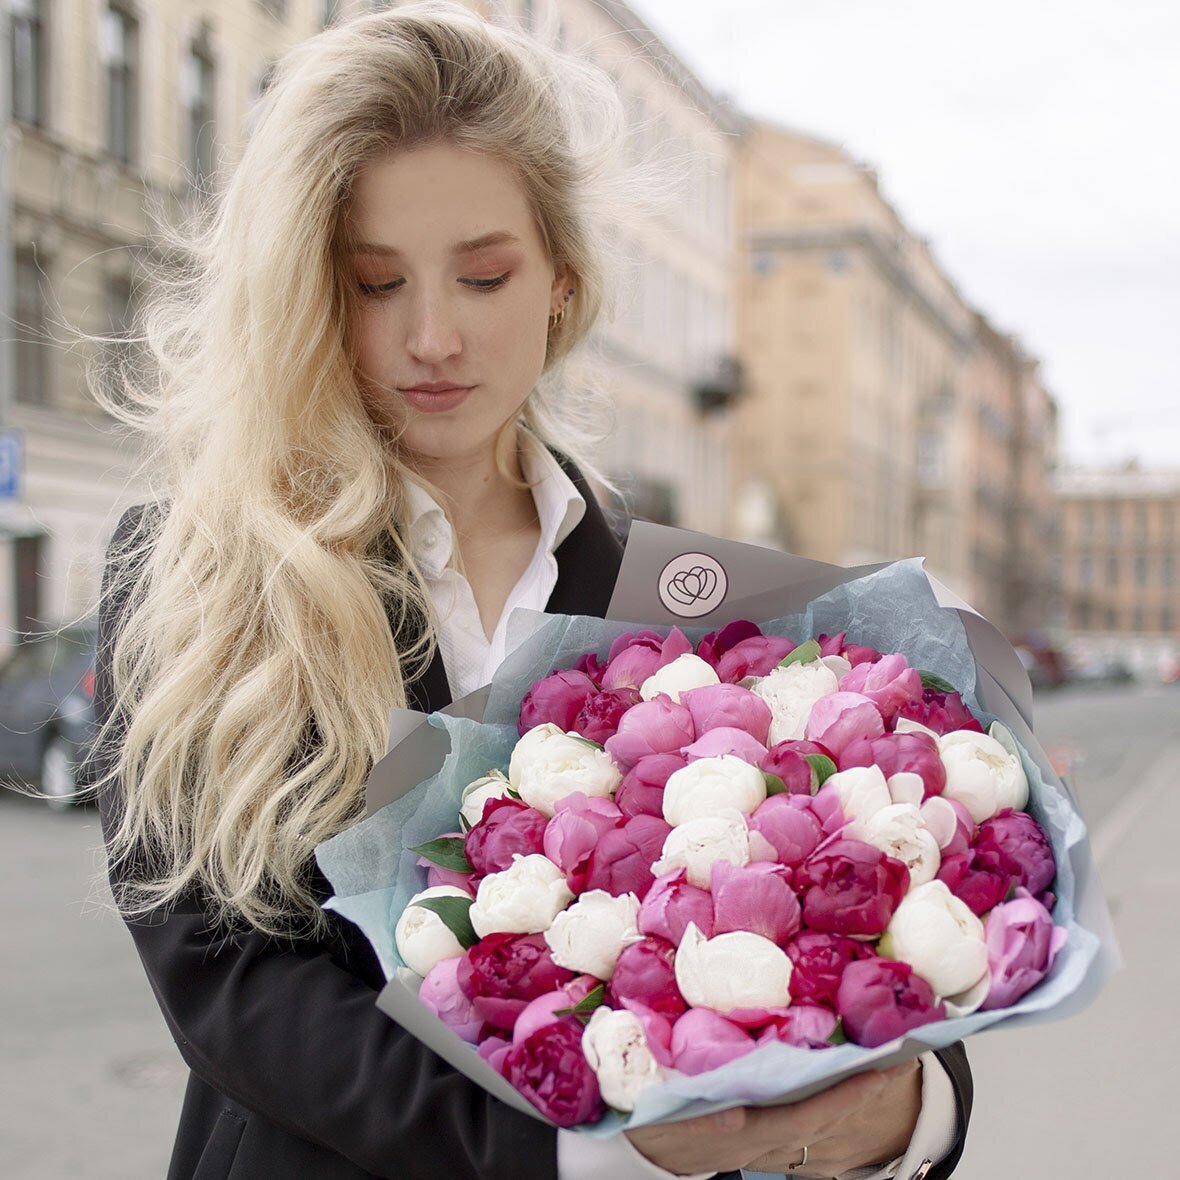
[[1120, 562], [884, 417], [120, 106]]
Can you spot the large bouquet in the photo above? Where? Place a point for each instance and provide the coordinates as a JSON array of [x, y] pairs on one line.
[[668, 870]]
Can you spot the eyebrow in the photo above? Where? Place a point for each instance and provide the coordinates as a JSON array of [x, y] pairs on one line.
[[500, 237]]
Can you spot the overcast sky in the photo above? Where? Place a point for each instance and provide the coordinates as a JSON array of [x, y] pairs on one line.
[[1035, 142]]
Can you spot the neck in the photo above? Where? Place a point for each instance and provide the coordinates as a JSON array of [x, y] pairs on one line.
[[478, 497]]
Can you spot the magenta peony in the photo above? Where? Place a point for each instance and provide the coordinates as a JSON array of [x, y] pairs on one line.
[[841, 718], [645, 974], [671, 904], [702, 1040], [635, 657], [1022, 943], [882, 999], [789, 825], [1022, 846], [942, 712], [508, 828], [642, 790], [899, 753], [442, 995], [889, 683], [717, 706], [651, 727], [600, 714], [503, 972], [551, 1071], [757, 898], [819, 961], [806, 1026], [574, 831], [621, 861], [849, 887]]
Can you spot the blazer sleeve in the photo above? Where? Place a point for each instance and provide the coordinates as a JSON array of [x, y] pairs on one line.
[[954, 1061], [285, 1031]]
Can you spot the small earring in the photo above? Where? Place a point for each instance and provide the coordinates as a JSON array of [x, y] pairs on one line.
[[555, 317]]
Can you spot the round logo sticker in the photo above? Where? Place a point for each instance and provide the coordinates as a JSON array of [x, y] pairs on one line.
[[692, 585]]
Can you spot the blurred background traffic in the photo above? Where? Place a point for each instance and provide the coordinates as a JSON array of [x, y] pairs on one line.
[[790, 364]]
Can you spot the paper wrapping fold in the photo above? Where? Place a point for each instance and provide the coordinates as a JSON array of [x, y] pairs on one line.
[[413, 791]]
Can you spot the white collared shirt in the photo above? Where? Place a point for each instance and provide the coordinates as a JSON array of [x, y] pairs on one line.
[[470, 659]]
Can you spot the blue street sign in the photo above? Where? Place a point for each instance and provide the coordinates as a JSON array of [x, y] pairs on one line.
[[12, 463]]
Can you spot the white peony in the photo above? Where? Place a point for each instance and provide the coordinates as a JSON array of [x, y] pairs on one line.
[[523, 899], [732, 971], [710, 785], [423, 938], [476, 794], [906, 725], [547, 765], [939, 937], [683, 673], [900, 832], [907, 787], [941, 819], [791, 692], [862, 791], [838, 664], [696, 845], [981, 774], [591, 934], [616, 1047]]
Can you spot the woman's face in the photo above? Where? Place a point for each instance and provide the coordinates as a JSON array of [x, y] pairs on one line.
[[455, 290]]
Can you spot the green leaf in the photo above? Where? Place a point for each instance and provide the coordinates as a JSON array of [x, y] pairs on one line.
[[774, 784], [838, 1035], [463, 823], [936, 683], [805, 653], [513, 793], [586, 741], [446, 852], [823, 766], [584, 1008], [454, 912]]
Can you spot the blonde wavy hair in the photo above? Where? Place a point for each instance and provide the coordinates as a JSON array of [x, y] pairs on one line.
[[254, 666]]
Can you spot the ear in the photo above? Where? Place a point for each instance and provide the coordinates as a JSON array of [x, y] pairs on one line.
[[560, 293]]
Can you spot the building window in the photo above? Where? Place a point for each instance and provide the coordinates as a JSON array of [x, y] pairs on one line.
[[121, 54], [1167, 569], [1137, 623], [200, 86], [1112, 571], [122, 304], [1086, 572], [276, 8], [1141, 572], [32, 385], [1166, 618], [28, 61], [1083, 609]]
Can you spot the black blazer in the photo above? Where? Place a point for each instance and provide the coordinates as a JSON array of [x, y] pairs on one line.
[[295, 1074]]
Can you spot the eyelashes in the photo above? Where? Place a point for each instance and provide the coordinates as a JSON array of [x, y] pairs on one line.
[[493, 284]]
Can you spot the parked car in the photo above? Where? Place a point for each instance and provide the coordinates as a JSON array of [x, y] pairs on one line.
[[47, 711]]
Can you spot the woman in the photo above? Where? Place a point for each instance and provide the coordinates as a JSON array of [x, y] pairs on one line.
[[357, 424]]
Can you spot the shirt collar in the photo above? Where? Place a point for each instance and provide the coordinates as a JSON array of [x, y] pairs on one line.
[[560, 509]]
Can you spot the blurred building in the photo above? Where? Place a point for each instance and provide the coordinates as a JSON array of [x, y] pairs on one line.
[[669, 353], [884, 417], [116, 108], [1120, 561], [1012, 510], [119, 107]]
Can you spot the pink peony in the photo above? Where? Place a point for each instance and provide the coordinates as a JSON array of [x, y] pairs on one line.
[[854, 653], [642, 790], [899, 753], [789, 825], [1023, 848], [556, 699], [849, 887], [635, 657], [551, 1071], [976, 877], [702, 1040], [806, 1026], [787, 761], [726, 741], [546, 1009], [600, 714], [503, 972], [942, 712], [621, 861], [671, 904], [726, 706], [841, 718], [889, 683], [1022, 943], [819, 961], [882, 999], [437, 875], [574, 831], [508, 828], [645, 974], [442, 995], [757, 898], [651, 727], [592, 666]]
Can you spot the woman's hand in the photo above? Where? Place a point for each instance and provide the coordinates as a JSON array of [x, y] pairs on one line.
[[867, 1119]]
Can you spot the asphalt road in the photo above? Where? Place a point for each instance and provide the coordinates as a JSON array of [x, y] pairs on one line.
[[91, 1083]]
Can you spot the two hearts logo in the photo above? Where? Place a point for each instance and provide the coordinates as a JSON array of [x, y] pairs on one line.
[[693, 584]]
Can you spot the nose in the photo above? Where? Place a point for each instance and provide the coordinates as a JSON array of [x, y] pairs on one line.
[[432, 333]]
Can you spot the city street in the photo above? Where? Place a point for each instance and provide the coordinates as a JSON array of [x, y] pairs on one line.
[[92, 1083]]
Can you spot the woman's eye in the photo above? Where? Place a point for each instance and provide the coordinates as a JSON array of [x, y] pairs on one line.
[[380, 288], [487, 284]]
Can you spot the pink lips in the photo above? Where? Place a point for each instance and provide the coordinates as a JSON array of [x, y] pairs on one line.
[[436, 397]]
